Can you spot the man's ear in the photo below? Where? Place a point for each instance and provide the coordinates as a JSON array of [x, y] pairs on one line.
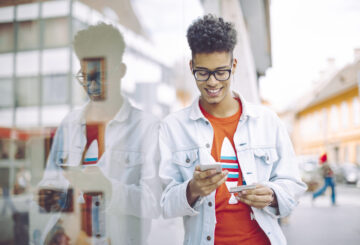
[[122, 70], [191, 65], [234, 65]]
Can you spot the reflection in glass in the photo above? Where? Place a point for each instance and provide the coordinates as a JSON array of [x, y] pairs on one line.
[[55, 89], [27, 91], [6, 37], [6, 98], [56, 32], [28, 35]]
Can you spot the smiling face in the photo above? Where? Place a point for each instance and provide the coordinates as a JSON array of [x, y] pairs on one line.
[[214, 92]]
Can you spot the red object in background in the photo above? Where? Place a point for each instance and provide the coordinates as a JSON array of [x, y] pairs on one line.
[[323, 158]]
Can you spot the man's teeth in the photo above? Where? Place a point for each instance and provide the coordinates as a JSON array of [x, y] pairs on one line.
[[213, 90]]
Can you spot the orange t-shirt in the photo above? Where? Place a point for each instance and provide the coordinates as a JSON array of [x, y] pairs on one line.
[[234, 223]]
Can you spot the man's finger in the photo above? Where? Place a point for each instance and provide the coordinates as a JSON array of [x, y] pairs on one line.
[[216, 178], [205, 174], [259, 190], [257, 198]]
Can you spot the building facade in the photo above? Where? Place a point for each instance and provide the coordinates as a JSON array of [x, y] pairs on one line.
[[330, 120]]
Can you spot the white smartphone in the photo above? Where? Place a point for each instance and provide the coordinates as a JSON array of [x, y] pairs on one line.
[[241, 188], [215, 166]]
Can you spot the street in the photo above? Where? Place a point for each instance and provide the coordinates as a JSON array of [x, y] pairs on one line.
[[320, 223]]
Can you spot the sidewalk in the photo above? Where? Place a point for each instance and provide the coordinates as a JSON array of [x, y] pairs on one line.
[[320, 223]]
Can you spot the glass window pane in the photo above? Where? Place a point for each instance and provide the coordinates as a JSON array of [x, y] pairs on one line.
[[56, 32], [7, 14], [55, 8], [6, 117], [27, 91], [6, 37], [7, 65], [27, 11], [356, 111], [27, 63], [27, 117], [55, 89], [28, 35], [55, 61], [6, 96]]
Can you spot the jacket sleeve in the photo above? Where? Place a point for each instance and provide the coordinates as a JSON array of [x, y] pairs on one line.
[[173, 200], [285, 177]]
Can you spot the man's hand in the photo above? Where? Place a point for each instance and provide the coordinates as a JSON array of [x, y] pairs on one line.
[[203, 183], [260, 197]]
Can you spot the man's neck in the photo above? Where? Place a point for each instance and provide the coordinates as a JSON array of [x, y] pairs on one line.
[[226, 108], [103, 111]]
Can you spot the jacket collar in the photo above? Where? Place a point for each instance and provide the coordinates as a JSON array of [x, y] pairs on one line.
[[247, 108]]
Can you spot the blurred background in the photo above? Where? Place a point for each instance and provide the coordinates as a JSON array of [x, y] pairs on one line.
[[299, 57]]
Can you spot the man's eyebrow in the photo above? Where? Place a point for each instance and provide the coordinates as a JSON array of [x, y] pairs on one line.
[[217, 68]]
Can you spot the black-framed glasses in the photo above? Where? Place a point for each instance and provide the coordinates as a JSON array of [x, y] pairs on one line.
[[203, 75]]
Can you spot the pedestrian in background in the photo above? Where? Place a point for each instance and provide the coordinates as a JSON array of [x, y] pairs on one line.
[[328, 175]]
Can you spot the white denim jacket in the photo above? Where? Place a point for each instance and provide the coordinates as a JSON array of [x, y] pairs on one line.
[[129, 162], [265, 155]]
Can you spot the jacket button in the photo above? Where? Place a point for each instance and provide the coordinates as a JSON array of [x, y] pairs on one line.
[[207, 145], [208, 238], [210, 204], [187, 160], [206, 122]]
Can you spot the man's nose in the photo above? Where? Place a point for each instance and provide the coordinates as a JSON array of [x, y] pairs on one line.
[[212, 80]]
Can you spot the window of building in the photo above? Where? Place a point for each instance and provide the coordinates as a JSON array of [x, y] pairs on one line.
[[324, 121], [6, 37], [6, 96], [56, 32], [7, 65], [6, 117], [28, 35], [55, 89], [356, 111], [7, 14], [55, 8], [27, 63], [27, 91], [27, 116], [344, 114], [55, 61], [28, 11], [334, 118]]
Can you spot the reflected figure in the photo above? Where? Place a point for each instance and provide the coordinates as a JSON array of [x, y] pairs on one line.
[[7, 202], [100, 185]]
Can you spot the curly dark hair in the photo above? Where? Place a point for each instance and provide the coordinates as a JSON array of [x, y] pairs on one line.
[[211, 34]]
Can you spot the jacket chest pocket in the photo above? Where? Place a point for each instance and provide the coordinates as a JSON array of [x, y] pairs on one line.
[[265, 158], [186, 162], [125, 166]]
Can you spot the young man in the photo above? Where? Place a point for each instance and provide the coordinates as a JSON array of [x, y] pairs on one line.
[[248, 140]]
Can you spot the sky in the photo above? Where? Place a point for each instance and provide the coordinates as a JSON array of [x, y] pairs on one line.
[[304, 35]]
